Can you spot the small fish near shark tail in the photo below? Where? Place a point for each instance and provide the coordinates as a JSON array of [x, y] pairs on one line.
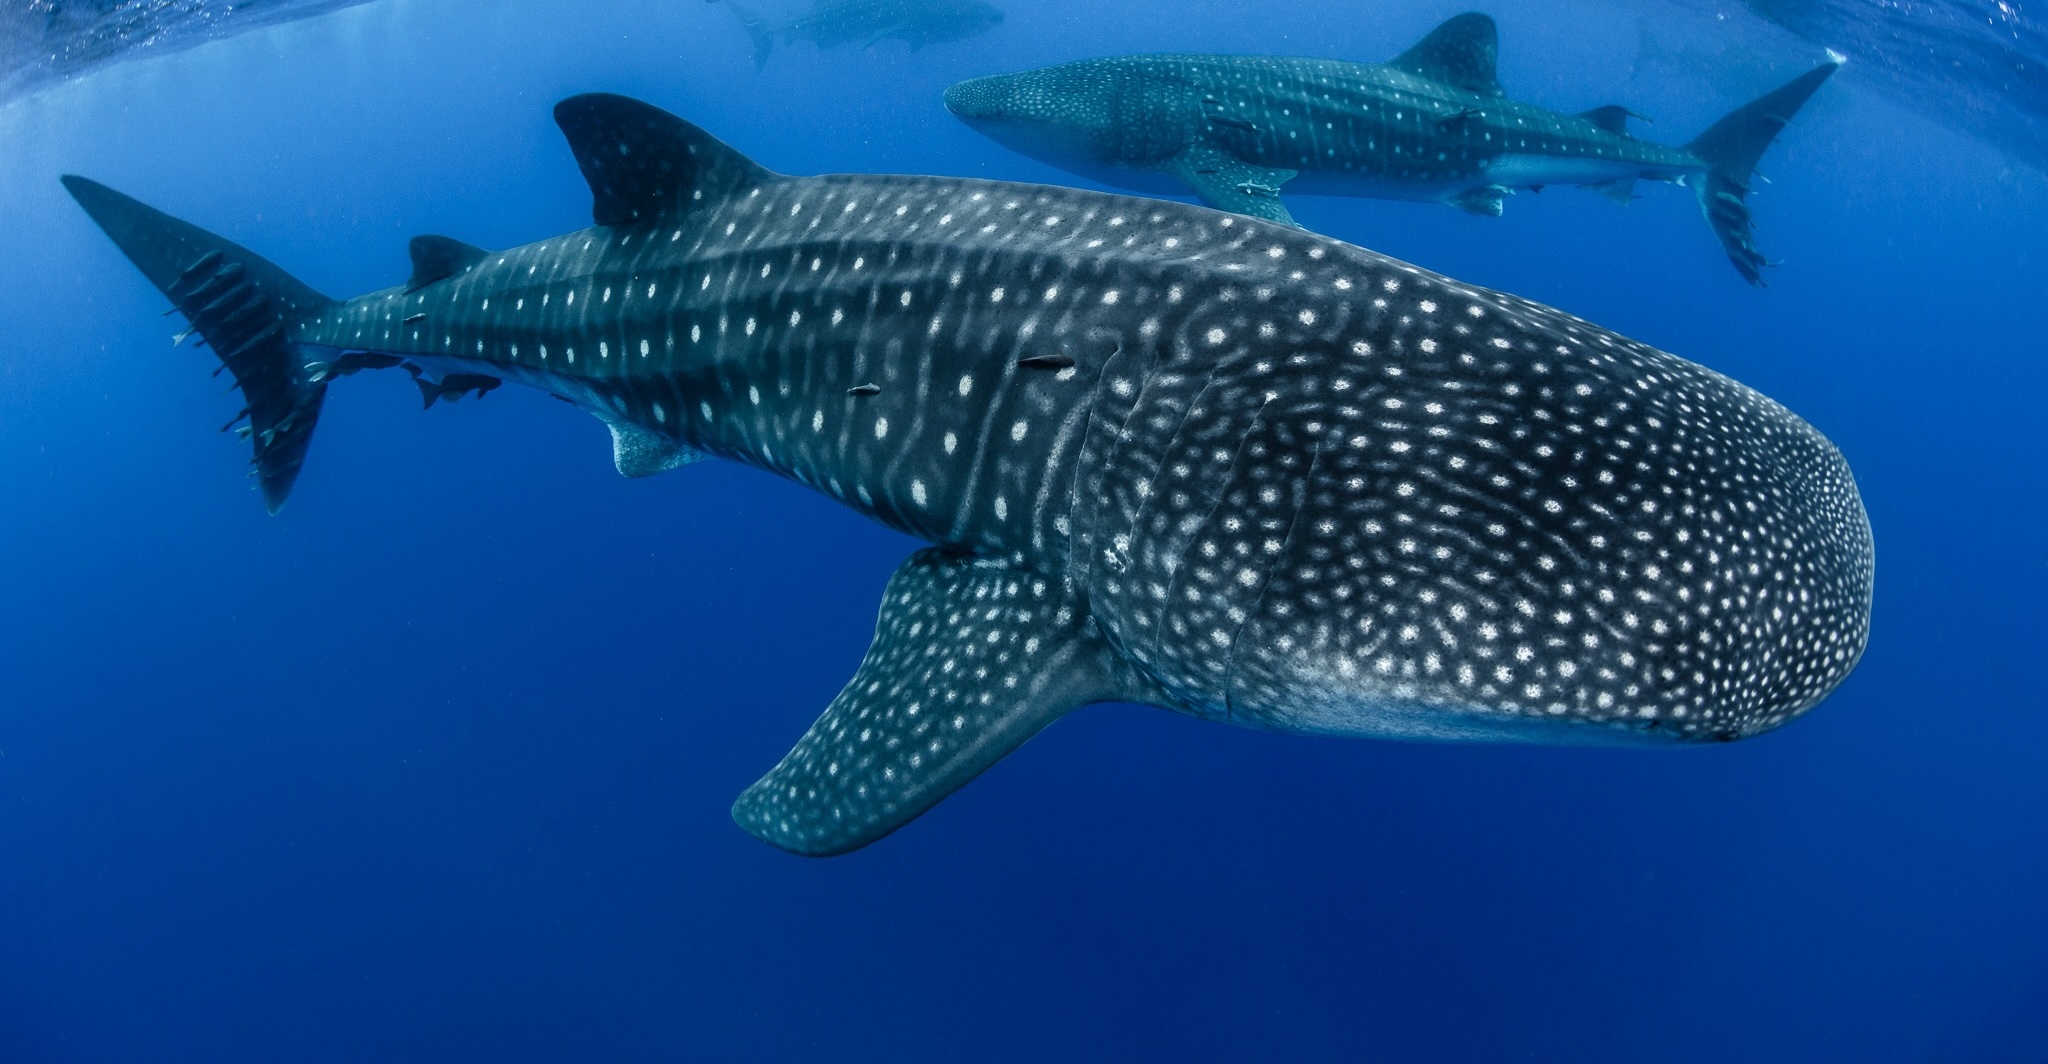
[[757, 28], [1730, 149], [245, 308]]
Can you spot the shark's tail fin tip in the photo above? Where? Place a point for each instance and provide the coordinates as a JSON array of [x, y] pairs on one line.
[[758, 29], [1731, 148], [244, 307]]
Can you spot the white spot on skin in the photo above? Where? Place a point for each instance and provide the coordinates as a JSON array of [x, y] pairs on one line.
[[881, 427], [917, 494]]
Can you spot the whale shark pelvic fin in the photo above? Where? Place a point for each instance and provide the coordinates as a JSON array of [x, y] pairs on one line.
[[1228, 183], [1486, 200], [970, 659], [636, 452]]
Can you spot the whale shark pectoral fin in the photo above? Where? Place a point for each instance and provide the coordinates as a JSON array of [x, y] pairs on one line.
[[1462, 53], [645, 165], [970, 659], [640, 453], [1228, 183]]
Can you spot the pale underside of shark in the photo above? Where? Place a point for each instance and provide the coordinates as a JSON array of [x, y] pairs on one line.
[[1434, 125], [1163, 454]]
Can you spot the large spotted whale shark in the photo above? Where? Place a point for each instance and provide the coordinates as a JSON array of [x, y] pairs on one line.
[[1434, 124], [1163, 454]]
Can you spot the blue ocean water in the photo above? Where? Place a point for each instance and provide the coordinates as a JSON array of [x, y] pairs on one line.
[[436, 764]]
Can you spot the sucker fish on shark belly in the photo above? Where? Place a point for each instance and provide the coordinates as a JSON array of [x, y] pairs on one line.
[[1434, 125], [1164, 455]]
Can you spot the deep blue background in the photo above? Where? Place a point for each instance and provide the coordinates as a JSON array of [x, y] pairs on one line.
[[435, 766]]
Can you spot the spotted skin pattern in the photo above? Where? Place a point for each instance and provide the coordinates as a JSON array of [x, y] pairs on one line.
[[1433, 125], [1171, 455]]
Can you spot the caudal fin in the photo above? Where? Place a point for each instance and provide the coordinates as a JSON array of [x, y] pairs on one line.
[[242, 306], [1731, 148], [757, 28]]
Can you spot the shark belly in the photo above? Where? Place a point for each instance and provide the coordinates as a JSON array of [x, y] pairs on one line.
[[1530, 171]]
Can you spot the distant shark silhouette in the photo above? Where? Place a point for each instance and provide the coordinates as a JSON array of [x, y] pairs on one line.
[[1164, 455], [1432, 125], [830, 23]]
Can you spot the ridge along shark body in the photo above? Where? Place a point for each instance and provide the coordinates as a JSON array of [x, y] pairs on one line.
[[1432, 125], [831, 23], [1164, 454]]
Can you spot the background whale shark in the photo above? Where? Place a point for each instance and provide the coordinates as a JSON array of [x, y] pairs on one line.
[[1434, 124], [1163, 455], [831, 23]]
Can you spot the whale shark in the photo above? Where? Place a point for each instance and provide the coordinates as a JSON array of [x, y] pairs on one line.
[[830, 23], [1161, 454], [1432, 125]]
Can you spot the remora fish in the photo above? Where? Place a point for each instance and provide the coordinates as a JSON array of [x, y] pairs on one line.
[[1432, 125], [1164, 455], [831, 23]]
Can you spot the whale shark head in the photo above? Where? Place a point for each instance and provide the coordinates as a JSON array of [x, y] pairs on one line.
[[1061, 114]]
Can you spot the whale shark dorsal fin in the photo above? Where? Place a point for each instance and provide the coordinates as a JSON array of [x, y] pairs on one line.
[[1460, 53], [645, 165], [436, 258], [971, 658]]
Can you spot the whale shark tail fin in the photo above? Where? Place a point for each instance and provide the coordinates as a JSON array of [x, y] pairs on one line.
[[243, 307], [757, 28], [1730, 149]]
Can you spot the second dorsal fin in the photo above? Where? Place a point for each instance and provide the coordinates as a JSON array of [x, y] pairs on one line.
[[645, 165], [436, 258], [1460, 53], [1612, 118]]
